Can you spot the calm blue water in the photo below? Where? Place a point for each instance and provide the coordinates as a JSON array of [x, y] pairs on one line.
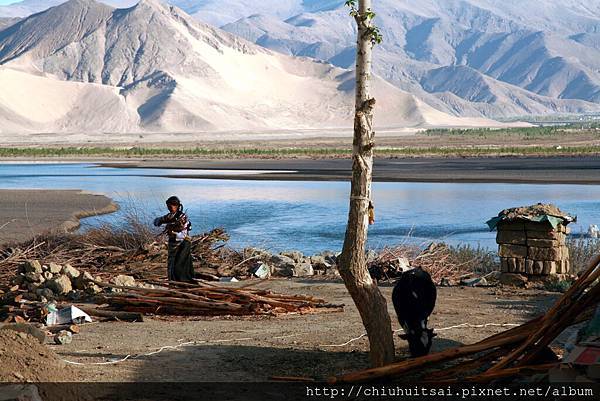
[[309, 216]]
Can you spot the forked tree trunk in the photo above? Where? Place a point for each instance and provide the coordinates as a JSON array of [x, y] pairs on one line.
[[371, 304]]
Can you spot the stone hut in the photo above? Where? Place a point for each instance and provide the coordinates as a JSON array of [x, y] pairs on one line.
[[532, 240]]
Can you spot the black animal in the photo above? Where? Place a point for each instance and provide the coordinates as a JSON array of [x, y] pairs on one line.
[[414, 299]]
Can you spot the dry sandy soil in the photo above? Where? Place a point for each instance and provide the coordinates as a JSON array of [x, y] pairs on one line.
[[25, 213], [254, 349]]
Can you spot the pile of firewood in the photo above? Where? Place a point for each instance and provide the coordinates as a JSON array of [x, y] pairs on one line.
[[437, 259], [515, 352], [205, 299], [106, 254]]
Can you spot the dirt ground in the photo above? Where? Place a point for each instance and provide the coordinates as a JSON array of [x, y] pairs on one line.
[[254, 349]]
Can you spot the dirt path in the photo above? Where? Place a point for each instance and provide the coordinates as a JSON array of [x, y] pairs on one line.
[[254, 349]]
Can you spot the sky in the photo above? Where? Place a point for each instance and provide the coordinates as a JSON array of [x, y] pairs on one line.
[[5, 2]]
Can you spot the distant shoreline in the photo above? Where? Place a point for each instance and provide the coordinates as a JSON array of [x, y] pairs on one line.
[[25, 214], [518, 170]]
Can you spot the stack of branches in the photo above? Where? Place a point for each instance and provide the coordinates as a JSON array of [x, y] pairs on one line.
[[108, 250], [439, 260], [515, 352], [205, 299]]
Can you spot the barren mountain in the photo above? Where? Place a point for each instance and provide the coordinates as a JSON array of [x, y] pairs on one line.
[[6, 22], [540, 56], [546, 54], [84, 66]]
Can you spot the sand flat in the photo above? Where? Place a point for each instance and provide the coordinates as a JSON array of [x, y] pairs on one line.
[[26, 213]]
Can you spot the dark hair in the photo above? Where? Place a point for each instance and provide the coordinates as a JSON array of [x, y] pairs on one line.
[[173, 200]]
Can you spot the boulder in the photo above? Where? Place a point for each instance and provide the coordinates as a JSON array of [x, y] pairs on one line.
[[63, 337], [93, 289], [32, 266], [70, 271], [46, 293], [81, 281], [257, 253], [124, 281], [54, 268], [295, 255], [34, 277], [516, 280], [319, 262], [303, 270], [282, 265], [60, 285]]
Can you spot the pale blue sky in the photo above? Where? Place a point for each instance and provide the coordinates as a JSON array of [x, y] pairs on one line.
[[5, 2]]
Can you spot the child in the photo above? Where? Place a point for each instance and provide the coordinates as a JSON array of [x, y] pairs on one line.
[[179, 263]]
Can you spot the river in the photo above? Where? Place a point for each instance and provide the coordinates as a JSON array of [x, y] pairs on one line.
[[307, 215]]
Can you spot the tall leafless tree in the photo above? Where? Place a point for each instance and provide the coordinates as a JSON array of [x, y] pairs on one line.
[[371, 304]]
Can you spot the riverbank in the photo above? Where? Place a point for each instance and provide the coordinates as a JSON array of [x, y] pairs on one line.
[[28, 213], [533, 170]]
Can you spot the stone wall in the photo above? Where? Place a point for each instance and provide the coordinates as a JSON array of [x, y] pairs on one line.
[[533, 248]]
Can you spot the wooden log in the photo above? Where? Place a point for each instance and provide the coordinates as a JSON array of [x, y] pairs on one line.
[[510, 372], [115, 315], [512, 336], [559, 307]]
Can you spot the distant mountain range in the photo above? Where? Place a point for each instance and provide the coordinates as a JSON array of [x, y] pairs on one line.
[[85, 66], [443, 58]]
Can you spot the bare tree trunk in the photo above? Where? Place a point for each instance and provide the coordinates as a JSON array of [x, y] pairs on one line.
[[371, 305]]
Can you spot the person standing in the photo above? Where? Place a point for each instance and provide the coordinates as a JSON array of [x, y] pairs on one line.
[[177, 228]]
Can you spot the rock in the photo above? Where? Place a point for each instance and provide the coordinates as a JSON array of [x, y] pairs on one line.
[[45, 292], [516, 280], [124, 281], [70, 272], [474, 282], [295, 255], [34, 277], [63, 337], [54, 268], [47, 275], [257, 253], [282, 266], [512, 251], [60, 285], [32, 266], [27, 329], [80, 282], [319, 262], [93, 289], [303, 270]]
